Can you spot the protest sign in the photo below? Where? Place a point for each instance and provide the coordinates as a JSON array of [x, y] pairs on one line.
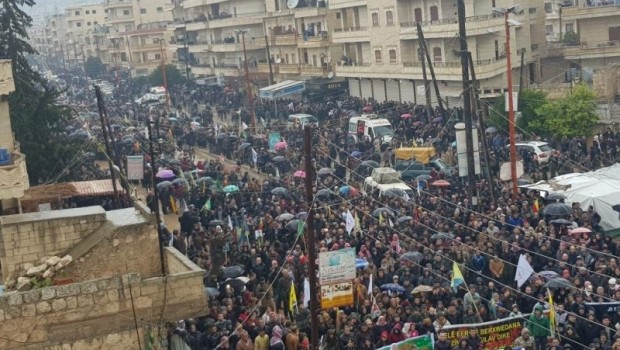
[[423, 342], [494, 334]]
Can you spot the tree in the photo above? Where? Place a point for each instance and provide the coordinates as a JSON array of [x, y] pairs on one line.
[[94, 67], [173, 76], [572, 115], [36, 117], [529, 102]]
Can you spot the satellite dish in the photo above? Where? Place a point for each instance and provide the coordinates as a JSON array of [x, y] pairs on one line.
[[279, 60], [292, 3], [330, 75]]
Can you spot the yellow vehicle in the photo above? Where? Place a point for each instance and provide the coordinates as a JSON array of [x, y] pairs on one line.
[[419, 154]]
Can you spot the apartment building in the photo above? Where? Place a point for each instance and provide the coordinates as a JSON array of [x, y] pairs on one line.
[[381, 48], [51, 36], [554, 28], [141, 50], [596, 24], [79, 42]]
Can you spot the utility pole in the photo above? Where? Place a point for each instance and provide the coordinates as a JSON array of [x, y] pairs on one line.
[[469, 137], [187, 70], [163, 71], [75, 53], [427, 90], [430, 66], [481, 128], [107, 144], [269, 61], [248, 84], [511, 111], [156, 195], [62, 54], [519, 103], [314, 302], [83, 57]]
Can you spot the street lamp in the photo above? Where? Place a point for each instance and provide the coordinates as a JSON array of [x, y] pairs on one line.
[[511, 112], [163, 69], [249, 89]]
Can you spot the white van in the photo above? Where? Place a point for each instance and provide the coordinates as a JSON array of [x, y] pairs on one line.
[[371, 126], [302, 120]]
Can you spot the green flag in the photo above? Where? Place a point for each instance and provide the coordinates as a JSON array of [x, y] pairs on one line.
[[207, 205], [300, 228]]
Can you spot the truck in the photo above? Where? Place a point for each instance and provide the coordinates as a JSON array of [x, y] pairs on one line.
[[382, 180], [372, 126], [412, 162]]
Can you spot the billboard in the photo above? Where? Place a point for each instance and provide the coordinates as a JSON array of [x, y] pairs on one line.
[[493, 334], [135, 167], [337, 266], [336, 295]]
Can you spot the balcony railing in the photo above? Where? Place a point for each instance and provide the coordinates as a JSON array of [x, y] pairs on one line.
[[450, 20], [14, 177], [350, 29]]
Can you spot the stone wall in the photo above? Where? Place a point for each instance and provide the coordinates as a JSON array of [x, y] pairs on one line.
[[98, 314], [26, 238]]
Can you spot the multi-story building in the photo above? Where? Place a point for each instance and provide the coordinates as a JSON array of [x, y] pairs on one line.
[[596, 28], [381, 48], [79, 41], [554, 28], [53, 36], [140, 50]]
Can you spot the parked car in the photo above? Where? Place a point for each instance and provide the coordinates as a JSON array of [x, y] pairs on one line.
[[410, 169], [541, 150]]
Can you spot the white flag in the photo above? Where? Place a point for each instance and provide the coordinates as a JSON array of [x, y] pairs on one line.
[[262, 120], [306, 292], [391, 222], [350, 222], [277, 173], [230, 224], [370, 285], [524, 271], [244, 126], [254, 156]]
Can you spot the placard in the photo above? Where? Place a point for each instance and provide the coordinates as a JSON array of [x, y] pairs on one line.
[[423, 342], [493, 334], [135, 167], [337, 266], [336, 295]]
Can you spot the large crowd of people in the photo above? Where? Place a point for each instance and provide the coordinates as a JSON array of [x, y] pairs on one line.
[[240, 214]]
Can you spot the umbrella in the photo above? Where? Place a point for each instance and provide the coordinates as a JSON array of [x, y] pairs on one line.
[[244, 145], [558, 283], [348, 191], [285, 217], [522, 182], [212, 292], [438, 120], [581, 230], [164, 184], [278, 159], [221, 136], [89, 155], [301, 215], [300, 173], [361, 263], [421, 288], [293, 225], [395, 193], [369, 164], [555, 197], [557, 209], [236, 283], [279, 191], [280, 146], [406, 116], [548, 274], [423, 177], [441, 183], [412, 256], [442, 235], [216, 223], [324, 193], [231, 189], [206, 179], [181, 182], [356, 154], [616, 207], [402, 219], [393, 287], [165, 174], [233, 271], [325, 171], [351, 113], [490, 129], [367, 109], [561, 222], [383, 210]]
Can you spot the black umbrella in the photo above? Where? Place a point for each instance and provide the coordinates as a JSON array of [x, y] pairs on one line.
[[212, 292], [163, 184], [244, 145], [555, 197], [216, 223], [235, 283], [384, 210], [616, 207], [181, 182], [369, 164], [325, 171], [278, 159], [221, 136], [324, 193], [402, 219], [205, 179], [557, 209], [423, 177], [412, 256], [558, 283], [293, 225], [523, 182], [442, 235], [561, 222], [280, 191], [233, 271]]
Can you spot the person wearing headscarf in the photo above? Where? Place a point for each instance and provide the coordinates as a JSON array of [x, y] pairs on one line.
[[275, 343]]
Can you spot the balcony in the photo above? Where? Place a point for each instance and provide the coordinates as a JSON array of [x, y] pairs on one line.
[[450, 71], [198, 48], [285, 68], [585, 11], [14, 178], [313, 42], [585, 50], [263, 68], [240, 20], [7, 84], [341, 4], [350, 35], [109, 4], [310, 12], [220, 46], [188, 4], [449, 27], [312, 71], [119, 19], [285, 39], [195, 25], [201, 69]]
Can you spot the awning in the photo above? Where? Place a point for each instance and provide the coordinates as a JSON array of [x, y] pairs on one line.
[[94, 188], [285, 88]]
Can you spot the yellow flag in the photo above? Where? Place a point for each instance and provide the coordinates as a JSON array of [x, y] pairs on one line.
[[173, 205], [381, 218], [292, 300], [358, 226], [551, 313]]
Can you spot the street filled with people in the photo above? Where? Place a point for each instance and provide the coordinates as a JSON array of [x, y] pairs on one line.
[[429, 260]]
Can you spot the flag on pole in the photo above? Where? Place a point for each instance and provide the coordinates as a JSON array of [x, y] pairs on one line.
[[173, 205], [358, 225], [457, 276], [230, 224], [244, 126], [262, 120], [420, 186], [535, 206], [524, 271], [551, 313], [300, 228], [381, 218], [350, 222], [375, 311], [292, 299], [390, 221], [306, 300], [277, 173], [370, 287], [254, 156], [207, 205]]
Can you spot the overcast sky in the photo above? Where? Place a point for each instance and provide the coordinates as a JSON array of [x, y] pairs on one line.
[[45, 8]]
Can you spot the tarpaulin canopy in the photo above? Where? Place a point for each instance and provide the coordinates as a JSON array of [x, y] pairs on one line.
[[283, 89], [599, 189]]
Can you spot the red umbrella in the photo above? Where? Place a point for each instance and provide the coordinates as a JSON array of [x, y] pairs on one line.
[[300, 173], [406, 116], [581, 230], [441, 183], [367, 109]]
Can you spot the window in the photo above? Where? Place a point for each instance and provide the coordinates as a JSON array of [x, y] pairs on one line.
[[570, 28], [87, 23], [94, 12], [437, 57], [77, 13], [392, 56], [78, 24], [143, 11], [378, 56], [126, 12], [160, 9], [95, 23], [389, 18], [158, 56], [548, 7], [434, 13], [375, 19], [417, 14], [532, 10], [549, 29], [87, 12]]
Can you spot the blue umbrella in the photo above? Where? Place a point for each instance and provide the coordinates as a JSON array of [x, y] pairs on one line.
[[393, 287], [231, 189], [361, 263], [356, 153]]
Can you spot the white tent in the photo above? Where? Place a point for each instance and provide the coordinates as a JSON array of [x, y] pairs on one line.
[[599, 189]]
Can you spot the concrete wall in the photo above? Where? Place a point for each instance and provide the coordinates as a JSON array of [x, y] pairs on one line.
[[26, 238], [97, 314]]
